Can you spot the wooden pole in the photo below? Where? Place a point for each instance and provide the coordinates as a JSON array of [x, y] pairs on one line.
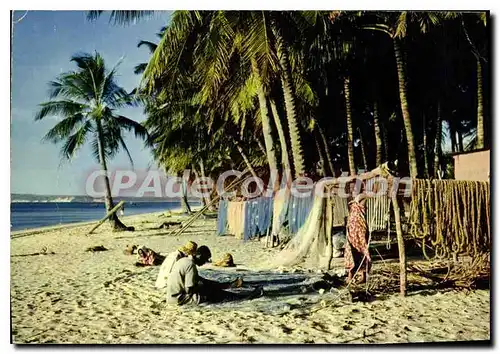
[[111, 212], [401, 245]]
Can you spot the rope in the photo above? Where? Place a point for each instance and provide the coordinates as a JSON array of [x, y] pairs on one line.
[[451, 216]]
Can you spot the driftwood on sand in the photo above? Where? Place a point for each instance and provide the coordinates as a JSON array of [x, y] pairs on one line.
[[43, 252], [96, 249]]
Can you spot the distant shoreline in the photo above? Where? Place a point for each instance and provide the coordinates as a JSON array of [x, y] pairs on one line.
[[43, 229], [22, 224], [158, 200]]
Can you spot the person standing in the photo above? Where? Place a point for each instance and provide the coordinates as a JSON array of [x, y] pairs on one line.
[[356, 253]]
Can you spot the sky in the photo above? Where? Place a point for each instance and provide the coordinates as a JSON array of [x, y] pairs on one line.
[[43, 44]]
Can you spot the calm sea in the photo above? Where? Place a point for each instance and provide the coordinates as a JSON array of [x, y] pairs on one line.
[[33, 215]]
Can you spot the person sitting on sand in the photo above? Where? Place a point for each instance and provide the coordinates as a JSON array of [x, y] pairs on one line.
[[185, 286], [356, 252], [189, 249]]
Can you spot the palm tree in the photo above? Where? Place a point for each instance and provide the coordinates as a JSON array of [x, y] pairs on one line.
[[286, 82], [285, 158], [378, 134], [437, 144], [87, 100], [395, 25], [350, 134]]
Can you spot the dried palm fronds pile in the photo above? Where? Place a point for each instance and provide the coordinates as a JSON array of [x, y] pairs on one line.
[[451, 217], [472, 273]]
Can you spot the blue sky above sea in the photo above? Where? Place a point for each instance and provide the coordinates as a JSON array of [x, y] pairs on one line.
[[43, 44]]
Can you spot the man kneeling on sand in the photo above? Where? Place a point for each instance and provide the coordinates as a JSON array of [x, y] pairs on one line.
[[189, 249], [185, 286]]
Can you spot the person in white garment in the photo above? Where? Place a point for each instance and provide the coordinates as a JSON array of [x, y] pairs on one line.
[[189, 249]]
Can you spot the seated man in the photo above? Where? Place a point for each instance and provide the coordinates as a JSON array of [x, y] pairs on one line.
[[188, 250], [185, 286]]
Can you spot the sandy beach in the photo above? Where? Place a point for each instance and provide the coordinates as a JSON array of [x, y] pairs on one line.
[[74, 296]]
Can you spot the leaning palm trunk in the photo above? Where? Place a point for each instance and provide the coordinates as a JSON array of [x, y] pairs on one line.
[[261, 146], [350, 134], [378, 135], [266, 123], [412, 157], [116, 224], [285, 158], [320, 155], [480, 115], [327, 151], [295, 139], [245, 159], [437, 144], [363, 151]]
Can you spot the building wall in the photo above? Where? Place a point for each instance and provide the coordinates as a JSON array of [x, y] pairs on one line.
[[474, 166]]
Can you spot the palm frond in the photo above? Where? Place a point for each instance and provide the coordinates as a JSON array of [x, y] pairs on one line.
[[75, 141], [64, 128], [150, 45], [121, 17], [60, 108]]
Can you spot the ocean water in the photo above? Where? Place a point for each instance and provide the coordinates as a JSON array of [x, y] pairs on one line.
[[34, 215]]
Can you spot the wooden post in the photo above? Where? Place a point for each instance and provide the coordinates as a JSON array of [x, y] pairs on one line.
[[328, 231], [401, 245], [111, 212]]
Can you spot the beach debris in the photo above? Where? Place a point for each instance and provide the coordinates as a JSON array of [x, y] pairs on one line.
[[130, 249], [44, 251], [321, 291], [168, 224], [96, 249], [226, 261], [244, 337]]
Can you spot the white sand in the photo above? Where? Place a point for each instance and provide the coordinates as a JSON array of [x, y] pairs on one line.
[[75, 296]]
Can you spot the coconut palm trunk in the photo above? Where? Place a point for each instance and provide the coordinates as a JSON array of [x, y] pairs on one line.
[[285, 158], [480, 106], [378, 135], [437, 144], [116, 224], [245, 158], [266, 123], [426, 159], [261, 146], [295, 139], [385, 140], [460, 141], [412, 157], [206, 196], [320, 155], [327, 150], [350, 134], [453, 136], [186, 208], [363, 150]]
